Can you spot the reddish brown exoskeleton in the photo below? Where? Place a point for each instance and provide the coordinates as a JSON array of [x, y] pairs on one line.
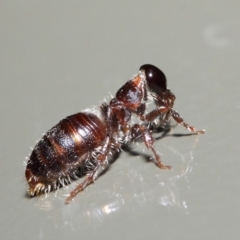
[[88, 139]]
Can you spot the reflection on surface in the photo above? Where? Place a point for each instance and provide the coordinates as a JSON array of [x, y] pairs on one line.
[[130, 188], [110, 208]]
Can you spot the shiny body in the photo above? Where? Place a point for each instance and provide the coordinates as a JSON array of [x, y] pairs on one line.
[[87, 140]]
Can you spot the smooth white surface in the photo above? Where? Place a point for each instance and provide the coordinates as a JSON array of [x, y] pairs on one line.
[[59, 57]]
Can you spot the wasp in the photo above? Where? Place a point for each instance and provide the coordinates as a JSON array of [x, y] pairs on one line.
[[88, 139]]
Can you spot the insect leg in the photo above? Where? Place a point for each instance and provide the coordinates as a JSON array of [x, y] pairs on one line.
[[176, 116], [138, 132], [169, 112], [90, 178], [151, 116]]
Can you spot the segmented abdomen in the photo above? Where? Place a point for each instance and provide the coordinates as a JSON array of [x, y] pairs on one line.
[[64, 147]]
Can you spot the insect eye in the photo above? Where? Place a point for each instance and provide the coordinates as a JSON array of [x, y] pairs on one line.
[[156, 80]]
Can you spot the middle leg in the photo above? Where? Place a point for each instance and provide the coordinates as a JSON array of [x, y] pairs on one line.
[[138, 132]]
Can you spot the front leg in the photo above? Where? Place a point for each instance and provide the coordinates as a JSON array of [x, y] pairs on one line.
[[150, 117], [176, 116]]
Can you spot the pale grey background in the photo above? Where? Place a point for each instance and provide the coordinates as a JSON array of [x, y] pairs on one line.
[[59, 57]]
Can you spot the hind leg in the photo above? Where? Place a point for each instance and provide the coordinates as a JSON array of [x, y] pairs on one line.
[[102, 163]]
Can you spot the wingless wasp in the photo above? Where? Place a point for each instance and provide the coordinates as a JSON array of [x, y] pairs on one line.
[[88, 139]]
